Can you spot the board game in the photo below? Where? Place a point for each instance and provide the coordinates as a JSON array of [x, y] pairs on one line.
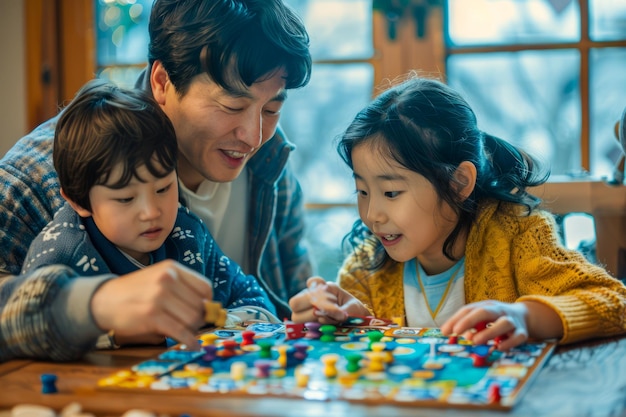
[[365, 363]]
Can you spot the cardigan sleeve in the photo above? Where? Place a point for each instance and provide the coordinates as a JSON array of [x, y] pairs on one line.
[[381, 290], [590, 302]]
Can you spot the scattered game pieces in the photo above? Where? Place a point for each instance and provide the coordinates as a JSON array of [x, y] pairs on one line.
[[48, 383], [391, 364]]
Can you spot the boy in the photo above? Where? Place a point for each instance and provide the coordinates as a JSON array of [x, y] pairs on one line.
[[115, 155]]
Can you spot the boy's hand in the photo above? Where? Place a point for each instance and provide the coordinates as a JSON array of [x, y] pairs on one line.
[[324, 302], [490, 320]]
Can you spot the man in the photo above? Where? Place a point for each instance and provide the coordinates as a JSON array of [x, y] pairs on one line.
[[220, 71]]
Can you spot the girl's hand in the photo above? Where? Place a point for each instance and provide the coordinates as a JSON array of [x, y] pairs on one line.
[[324, 302], [480, 322]]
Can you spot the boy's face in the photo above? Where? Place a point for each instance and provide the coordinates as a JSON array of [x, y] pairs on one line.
[[138, 217], [218, 131]]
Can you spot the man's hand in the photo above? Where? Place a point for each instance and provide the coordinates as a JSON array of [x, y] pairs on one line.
[[164, 299]]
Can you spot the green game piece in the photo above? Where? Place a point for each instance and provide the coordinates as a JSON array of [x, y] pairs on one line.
[[374, 336], [266, 349], [353, 359], [328, 333]]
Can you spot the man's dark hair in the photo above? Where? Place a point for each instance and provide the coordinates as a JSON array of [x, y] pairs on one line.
[[235, 42]]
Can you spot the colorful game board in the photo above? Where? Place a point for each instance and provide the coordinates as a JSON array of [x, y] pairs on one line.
[[362, 363]]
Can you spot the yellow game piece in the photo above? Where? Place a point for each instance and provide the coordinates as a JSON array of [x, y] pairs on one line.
[[432, 364], [330, 364], [377, 362], [282, 355], [423, 374], [302, 377], [183, 373], [238, 370], [214, 313], [399, 320], [208, 339], [348, 379], [378, 346]]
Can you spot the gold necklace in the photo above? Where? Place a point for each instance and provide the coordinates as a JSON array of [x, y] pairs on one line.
[[445, 293]]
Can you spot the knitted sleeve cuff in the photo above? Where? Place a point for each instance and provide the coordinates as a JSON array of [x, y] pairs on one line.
[[580, 322]]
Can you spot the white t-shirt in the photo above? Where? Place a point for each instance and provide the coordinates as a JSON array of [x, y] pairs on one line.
[[222, 207], [440, 295]]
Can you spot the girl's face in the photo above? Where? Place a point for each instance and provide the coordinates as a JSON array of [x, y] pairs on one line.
[[138, 217], [401, 208]]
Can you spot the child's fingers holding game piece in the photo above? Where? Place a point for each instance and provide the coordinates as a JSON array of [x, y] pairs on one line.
[[301, 307], [313, 282]]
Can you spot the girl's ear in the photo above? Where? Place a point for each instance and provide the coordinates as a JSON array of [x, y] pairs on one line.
[[78, 209], [464, 179]]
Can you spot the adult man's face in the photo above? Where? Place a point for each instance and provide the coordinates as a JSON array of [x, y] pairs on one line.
[[218, 131]]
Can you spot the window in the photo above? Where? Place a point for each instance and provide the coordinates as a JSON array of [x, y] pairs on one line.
[[545, 74]]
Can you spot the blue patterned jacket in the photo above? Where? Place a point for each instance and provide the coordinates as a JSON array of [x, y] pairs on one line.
[[78, 243]]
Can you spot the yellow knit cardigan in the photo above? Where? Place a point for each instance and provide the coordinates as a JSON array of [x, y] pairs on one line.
[[512, 257]]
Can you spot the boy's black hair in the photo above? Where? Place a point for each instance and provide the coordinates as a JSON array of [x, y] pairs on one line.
[[103, 126]]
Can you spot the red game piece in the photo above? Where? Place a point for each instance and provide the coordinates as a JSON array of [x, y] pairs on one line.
[[494, 396], [230, 348], [481, 326], [248, 337], [478, 360], [294, 330], [499, 339]]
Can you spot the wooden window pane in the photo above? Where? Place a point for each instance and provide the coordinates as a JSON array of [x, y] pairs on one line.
[[608, 100], [530, 98], [339, 29], [501, 22], [313, 116], [122, 35], [607, 19]]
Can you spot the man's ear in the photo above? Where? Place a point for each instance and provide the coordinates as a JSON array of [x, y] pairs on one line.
[[159, 81], [464, 179], [77, 208]]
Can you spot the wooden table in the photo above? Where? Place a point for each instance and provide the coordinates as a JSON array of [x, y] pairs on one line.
[[587, 379]]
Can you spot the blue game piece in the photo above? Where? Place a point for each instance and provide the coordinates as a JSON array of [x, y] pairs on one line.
[[48, 383]]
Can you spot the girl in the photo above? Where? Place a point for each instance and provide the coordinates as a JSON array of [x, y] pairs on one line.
[[448, 235]]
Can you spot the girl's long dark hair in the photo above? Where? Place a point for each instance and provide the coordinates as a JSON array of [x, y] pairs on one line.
[[428, 128]]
